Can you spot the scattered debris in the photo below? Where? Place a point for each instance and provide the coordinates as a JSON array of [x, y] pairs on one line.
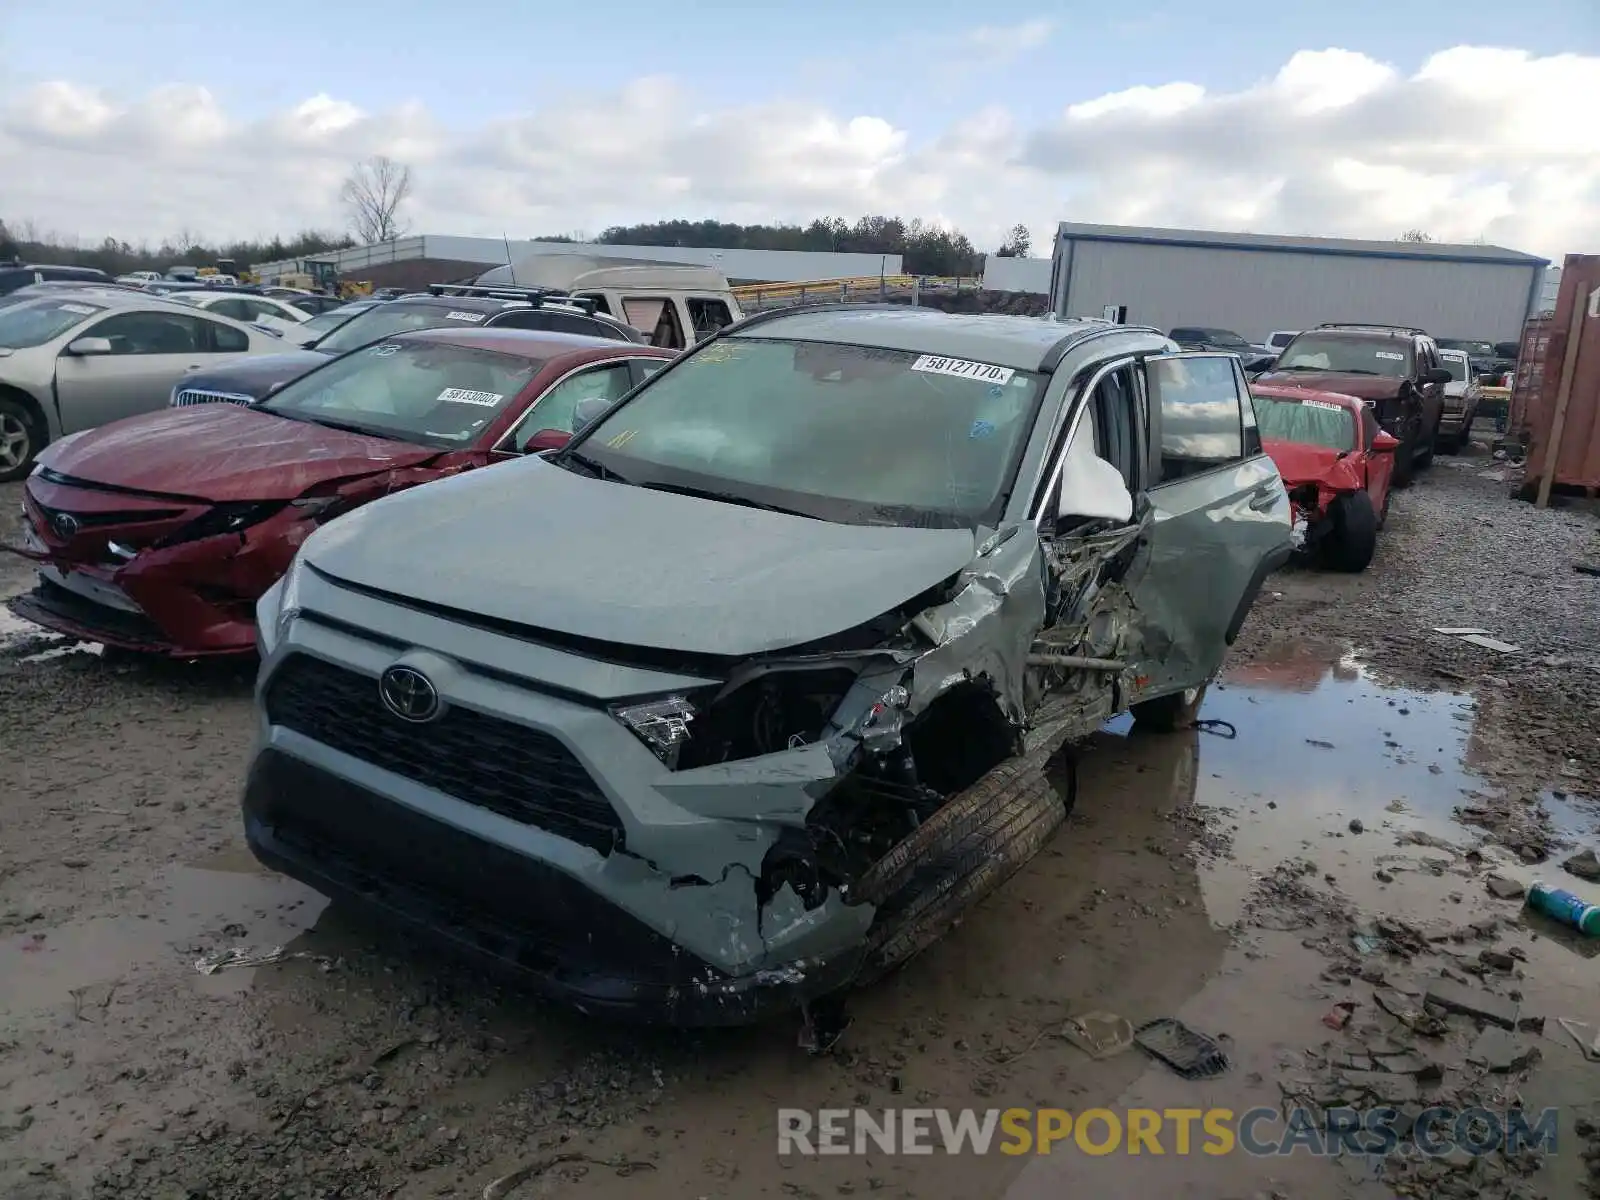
[[1453, 997], [1502, 1052], [1339, 1015], [1401, 1009], [1099, 1034], [1590, 1050], [1192, 1055], [1586, 568], [1355, 825], [1319, 743], [1502, 888], [242, 956], [1585, 865]]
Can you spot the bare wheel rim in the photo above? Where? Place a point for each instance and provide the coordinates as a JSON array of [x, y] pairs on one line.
[[14, 441]]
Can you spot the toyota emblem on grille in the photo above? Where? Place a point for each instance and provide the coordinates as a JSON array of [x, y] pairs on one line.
[[408, 694], [66, 525]]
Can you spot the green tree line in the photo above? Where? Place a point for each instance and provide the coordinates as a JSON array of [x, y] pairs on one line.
[[114, 257], [924, 249]]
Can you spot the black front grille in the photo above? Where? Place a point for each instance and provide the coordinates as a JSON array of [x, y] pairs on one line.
[[99, 520], [495, 764]]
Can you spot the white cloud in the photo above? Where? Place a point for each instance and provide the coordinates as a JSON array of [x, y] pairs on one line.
[[1478, 142]]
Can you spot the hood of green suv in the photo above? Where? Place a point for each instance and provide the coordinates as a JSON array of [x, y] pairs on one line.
[[542, 547]]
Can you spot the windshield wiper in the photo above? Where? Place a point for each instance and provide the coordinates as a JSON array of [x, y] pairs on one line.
[[724, 497], [595, 465]]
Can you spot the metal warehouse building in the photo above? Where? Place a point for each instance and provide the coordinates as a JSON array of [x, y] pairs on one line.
[[1255, 283], [430, 258]]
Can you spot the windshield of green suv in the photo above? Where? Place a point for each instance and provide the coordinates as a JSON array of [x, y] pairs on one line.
[[1351, 355], [392, 317], [843, 433], [1310, 422], [36, 322], [429, 393]]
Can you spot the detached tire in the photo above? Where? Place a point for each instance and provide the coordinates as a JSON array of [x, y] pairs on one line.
[[1354, 537], [20, 440], [967, 849], [1168, 714]]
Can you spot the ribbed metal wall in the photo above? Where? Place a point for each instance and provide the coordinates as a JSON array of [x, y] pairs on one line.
[[1256, 291]]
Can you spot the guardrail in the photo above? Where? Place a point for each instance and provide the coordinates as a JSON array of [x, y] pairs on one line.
[[755, 296]]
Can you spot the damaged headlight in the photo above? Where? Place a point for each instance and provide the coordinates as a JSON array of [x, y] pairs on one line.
[[225, 518], [663, 724]]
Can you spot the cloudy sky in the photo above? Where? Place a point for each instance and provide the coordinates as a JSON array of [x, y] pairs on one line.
[[1466, 118]]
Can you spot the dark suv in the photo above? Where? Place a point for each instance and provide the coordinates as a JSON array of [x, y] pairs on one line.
[[1394, 367], [14, 275], [1207, 338], [443, 306]]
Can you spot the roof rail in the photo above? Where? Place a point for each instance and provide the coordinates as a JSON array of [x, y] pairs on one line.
[[536, 296], [1373, 325]]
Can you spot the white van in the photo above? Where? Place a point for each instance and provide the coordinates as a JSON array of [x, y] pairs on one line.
[[674, 306]]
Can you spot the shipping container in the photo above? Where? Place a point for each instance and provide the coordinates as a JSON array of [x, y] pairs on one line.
[[1562, 412], [1527, 382]]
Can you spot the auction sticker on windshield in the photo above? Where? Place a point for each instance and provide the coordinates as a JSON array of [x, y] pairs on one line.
[[1390, 354], [462, 396], [82, 310], [932, 364], [1322, 404], [461, 316]]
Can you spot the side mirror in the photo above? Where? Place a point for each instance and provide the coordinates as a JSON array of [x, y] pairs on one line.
[[589, 411], [1437, 375], [87, 347], [1256, 366], [1384, 443], [547, 439], [1091, 487]]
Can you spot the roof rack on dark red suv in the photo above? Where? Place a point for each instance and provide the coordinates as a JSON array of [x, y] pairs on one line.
[[1373, 325], [534, 295]]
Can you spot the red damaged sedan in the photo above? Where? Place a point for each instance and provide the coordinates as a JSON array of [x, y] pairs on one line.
[[1336, 465], [158, 533]]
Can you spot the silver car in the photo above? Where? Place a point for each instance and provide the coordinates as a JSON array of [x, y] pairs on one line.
[[745, 695], [82, 357]]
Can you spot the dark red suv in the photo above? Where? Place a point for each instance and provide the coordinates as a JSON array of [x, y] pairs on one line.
[[1396, 367]]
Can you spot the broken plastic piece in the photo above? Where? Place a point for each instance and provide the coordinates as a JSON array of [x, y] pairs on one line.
[[1099, 1034], [236, 956], [1339, 1015], [1489, 643], [1192, 1055]]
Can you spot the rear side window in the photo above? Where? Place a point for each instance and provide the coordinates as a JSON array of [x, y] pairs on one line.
[[659, 316], [1202, 423], [708, 316], [225, 339]]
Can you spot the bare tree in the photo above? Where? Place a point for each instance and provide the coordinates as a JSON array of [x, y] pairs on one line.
[[1416, 235], [374, 193]]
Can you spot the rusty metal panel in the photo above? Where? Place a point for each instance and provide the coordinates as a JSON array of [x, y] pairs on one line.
[[1527, 381], [1577, 457]]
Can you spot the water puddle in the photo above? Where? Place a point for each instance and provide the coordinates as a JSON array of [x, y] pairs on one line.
[[223, 901], [1356, 786]]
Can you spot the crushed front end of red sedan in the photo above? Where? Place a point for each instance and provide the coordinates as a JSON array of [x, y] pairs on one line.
[[1337, 465], [160, 532]]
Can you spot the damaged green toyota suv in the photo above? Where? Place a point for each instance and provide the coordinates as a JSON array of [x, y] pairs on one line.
[[741, 697]]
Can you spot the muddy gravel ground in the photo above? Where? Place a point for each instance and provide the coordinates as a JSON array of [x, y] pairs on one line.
[[1332, 842]]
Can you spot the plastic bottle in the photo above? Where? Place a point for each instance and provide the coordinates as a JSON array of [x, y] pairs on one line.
[[1561, 905]]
